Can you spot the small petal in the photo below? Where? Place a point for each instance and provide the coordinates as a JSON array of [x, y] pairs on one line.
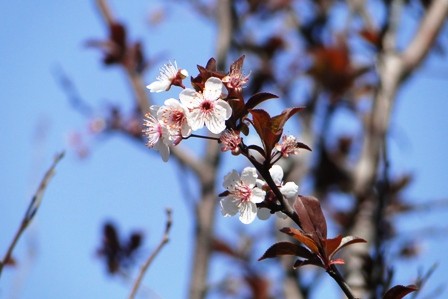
[[213, 88], [258, 195], [248, 212], [230, 180], [249, 176], [289, 190], [228, 206], [159, 86], [190, 98], [277, 174]]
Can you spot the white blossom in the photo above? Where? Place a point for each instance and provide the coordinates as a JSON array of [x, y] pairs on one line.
[[206, 107], [243, 195], [173, 116], [168, 74], [157, 135]]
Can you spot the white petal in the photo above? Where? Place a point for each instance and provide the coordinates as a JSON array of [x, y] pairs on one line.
[[159, 86], [230, 180], [257, 195], [248, 212], [249, 176], [228, 206], [163, 149], [190, 98], [212, 89], [289, 190], [277, 174], [185, 131], [172, 102], [195, 119], [260, 183], [215, 124], [225, 111]]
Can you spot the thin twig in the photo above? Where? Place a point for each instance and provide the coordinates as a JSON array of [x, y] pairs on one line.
[[334, 273], [31, 211], [152, 256]]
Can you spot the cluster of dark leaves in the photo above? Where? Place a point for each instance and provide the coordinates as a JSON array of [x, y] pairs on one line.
[[118, 253], [318, 250]]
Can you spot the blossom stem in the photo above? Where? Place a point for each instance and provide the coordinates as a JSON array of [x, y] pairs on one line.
[[201, 136]]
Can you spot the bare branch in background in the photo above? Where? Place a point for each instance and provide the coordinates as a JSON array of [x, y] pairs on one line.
[[153, 255], [33, 207]]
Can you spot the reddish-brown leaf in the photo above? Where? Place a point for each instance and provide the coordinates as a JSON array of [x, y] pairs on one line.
[[348, 240], [303, 145], [315, 260], [261, 121], [211, 65], [332, 244], [286, 248], [222, 247], [399, 291], [299, 236], [279, 121], [237, 65], [312, 219], [258, 98]]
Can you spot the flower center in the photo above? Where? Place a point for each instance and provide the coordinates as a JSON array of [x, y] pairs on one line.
[[243, 192], [177, 117], [206, 106]]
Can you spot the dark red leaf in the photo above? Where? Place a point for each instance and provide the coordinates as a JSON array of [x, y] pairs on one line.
[[211, 65], [261, 121], [286, 248], [237, 65], [279, 121], [222, 247], [399, 291], [302, 238], [303, 145], [312, 220], [332, 244], [258, 98], [315, 260], [348, 240]]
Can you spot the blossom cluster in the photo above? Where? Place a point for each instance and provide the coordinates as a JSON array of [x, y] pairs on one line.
[[216, 102], [176, 119]]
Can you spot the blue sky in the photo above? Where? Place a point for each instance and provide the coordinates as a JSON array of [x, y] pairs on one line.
[[120, 180]]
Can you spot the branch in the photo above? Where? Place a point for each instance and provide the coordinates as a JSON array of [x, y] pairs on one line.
[[424, 38], [152, 256], [32, 209]]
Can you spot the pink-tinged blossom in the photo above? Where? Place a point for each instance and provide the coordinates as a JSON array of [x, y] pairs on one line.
[[289, 146], [230, 141], [243, 195], [169, 75], [157, 136], [206, 108], [235, 80], [173, 116]]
